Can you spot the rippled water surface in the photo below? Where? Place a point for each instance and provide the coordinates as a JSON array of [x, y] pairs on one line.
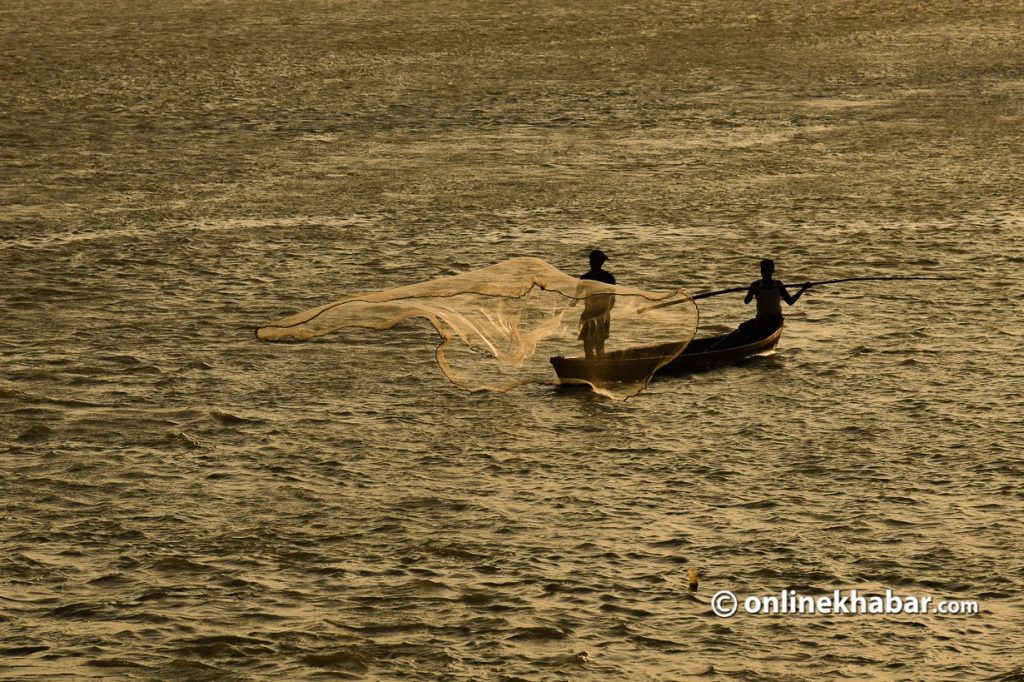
[[179, 501]]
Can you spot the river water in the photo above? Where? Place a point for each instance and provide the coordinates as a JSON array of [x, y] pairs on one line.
[[180, 501]]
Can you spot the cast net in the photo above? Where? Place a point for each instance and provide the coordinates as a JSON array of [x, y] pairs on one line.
[[520, 322]]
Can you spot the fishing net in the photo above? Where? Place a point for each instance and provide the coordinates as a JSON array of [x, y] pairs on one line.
[[501, 325]]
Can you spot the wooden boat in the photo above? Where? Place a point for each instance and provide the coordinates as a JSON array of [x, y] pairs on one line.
[[635, 364], [618, 367], [715, 351]]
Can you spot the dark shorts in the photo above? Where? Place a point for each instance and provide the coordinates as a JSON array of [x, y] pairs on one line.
[[595, 328]]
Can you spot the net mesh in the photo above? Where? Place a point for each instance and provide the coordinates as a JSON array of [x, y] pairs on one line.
[[501, 325]]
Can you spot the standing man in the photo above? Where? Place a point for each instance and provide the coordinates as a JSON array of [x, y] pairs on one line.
[[596, 320]]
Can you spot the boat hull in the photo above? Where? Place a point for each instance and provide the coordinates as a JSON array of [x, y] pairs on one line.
[[707, 353], [633, 364], [611, 370]]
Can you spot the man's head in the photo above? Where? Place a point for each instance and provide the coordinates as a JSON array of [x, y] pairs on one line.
[[597, 259], [767, 267]]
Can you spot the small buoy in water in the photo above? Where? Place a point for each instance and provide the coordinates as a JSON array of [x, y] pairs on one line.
[[573, 659], [693, 578]]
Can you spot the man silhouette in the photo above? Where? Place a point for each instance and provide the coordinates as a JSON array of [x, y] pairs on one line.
[[595, 321], [769, 293]]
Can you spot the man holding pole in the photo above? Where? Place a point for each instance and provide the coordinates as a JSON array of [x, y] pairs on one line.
[[769, 293]]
